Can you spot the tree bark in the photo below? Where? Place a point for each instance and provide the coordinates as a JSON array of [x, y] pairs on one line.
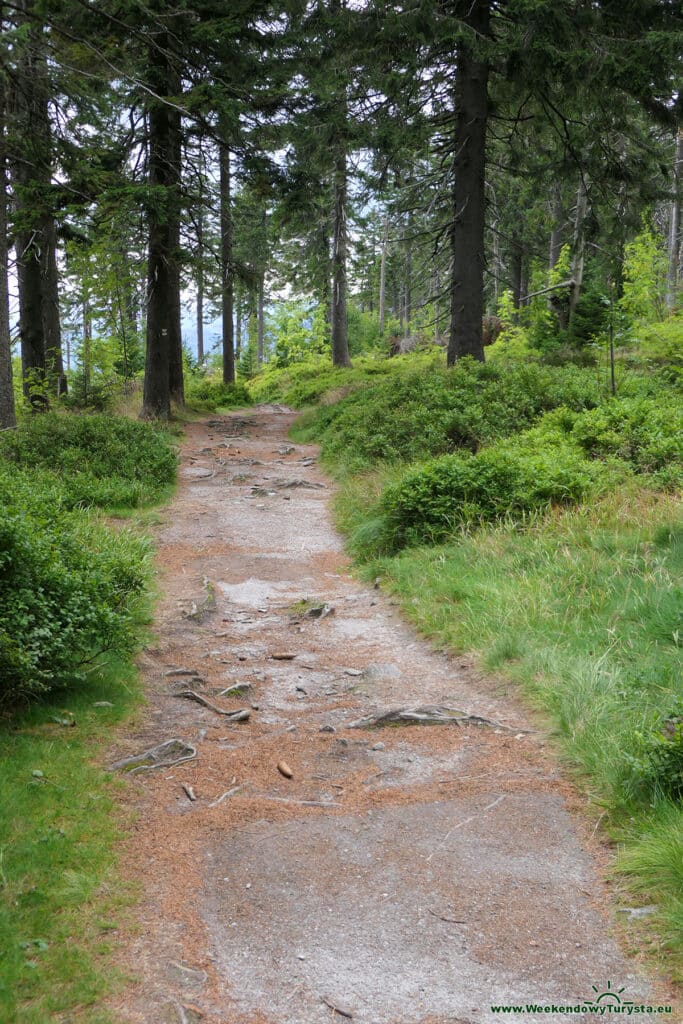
[[227, 271], [408, 270], [495, 255], [516, 271], [162, 216], [340, 341], [238, 320], [524, 281], [200, 283], [260, 320], [87, 347], [176, 373], [468, 191], [555, 246], [579, 249], [176, 381], [30, 156], [675, 225], [7, 411], [52, 330], [383, 279]]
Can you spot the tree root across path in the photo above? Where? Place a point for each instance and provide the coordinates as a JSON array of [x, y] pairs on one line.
[[431, 714], [299, 871]]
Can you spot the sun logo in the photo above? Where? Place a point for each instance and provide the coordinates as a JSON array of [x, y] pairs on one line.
[[611, 996]]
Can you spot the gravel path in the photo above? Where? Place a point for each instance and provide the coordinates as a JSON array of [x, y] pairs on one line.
[[405, 875]]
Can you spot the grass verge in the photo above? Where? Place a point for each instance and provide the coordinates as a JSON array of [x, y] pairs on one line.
[[59, 825]]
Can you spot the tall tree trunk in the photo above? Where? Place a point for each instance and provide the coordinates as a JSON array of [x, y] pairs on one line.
[[200, 283], [383, 282], [325, 292], [408, 269], [86, 347], [260, 320], [579, 249], [176, 382], [227, 271], [468, 191], [675, 225], [176, 373], [30, 156], [555, 246], [383, 278], [524, 282], [495, 247], [162, 216], [52, 330], [238, 320], [340, 341], [516, 270], [7, 412], [30, 287], [436, 290]]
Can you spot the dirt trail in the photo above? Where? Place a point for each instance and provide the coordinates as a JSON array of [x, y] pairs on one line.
[[402, 875]]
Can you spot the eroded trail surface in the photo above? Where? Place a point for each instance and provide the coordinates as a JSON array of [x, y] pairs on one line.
[[402, 875]]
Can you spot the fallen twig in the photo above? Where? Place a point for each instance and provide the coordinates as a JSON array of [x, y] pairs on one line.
[[466, 821], [189, 792], [341, 1010], [449, 920], [299, 803], [224, 796]]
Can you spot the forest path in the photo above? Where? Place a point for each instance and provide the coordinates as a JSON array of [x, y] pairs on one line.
[[412, 875]]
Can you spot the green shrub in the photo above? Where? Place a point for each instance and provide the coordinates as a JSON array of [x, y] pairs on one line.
[[67, 590], [420, 413], [305, 383], [101, 460], [209, 394], [660, 343], [658, 768], [436, 498], [69, 587], [645, 432]]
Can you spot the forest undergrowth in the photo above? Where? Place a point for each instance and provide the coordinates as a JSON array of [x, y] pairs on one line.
[[521, 512], [74, 600]]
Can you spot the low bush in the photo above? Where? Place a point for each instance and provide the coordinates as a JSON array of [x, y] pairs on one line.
[[209, 393], [67, 590], [658, 766], [415, 414], [511, 478], [645, 432], [69, 586], [100, 460], [304, 383]]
